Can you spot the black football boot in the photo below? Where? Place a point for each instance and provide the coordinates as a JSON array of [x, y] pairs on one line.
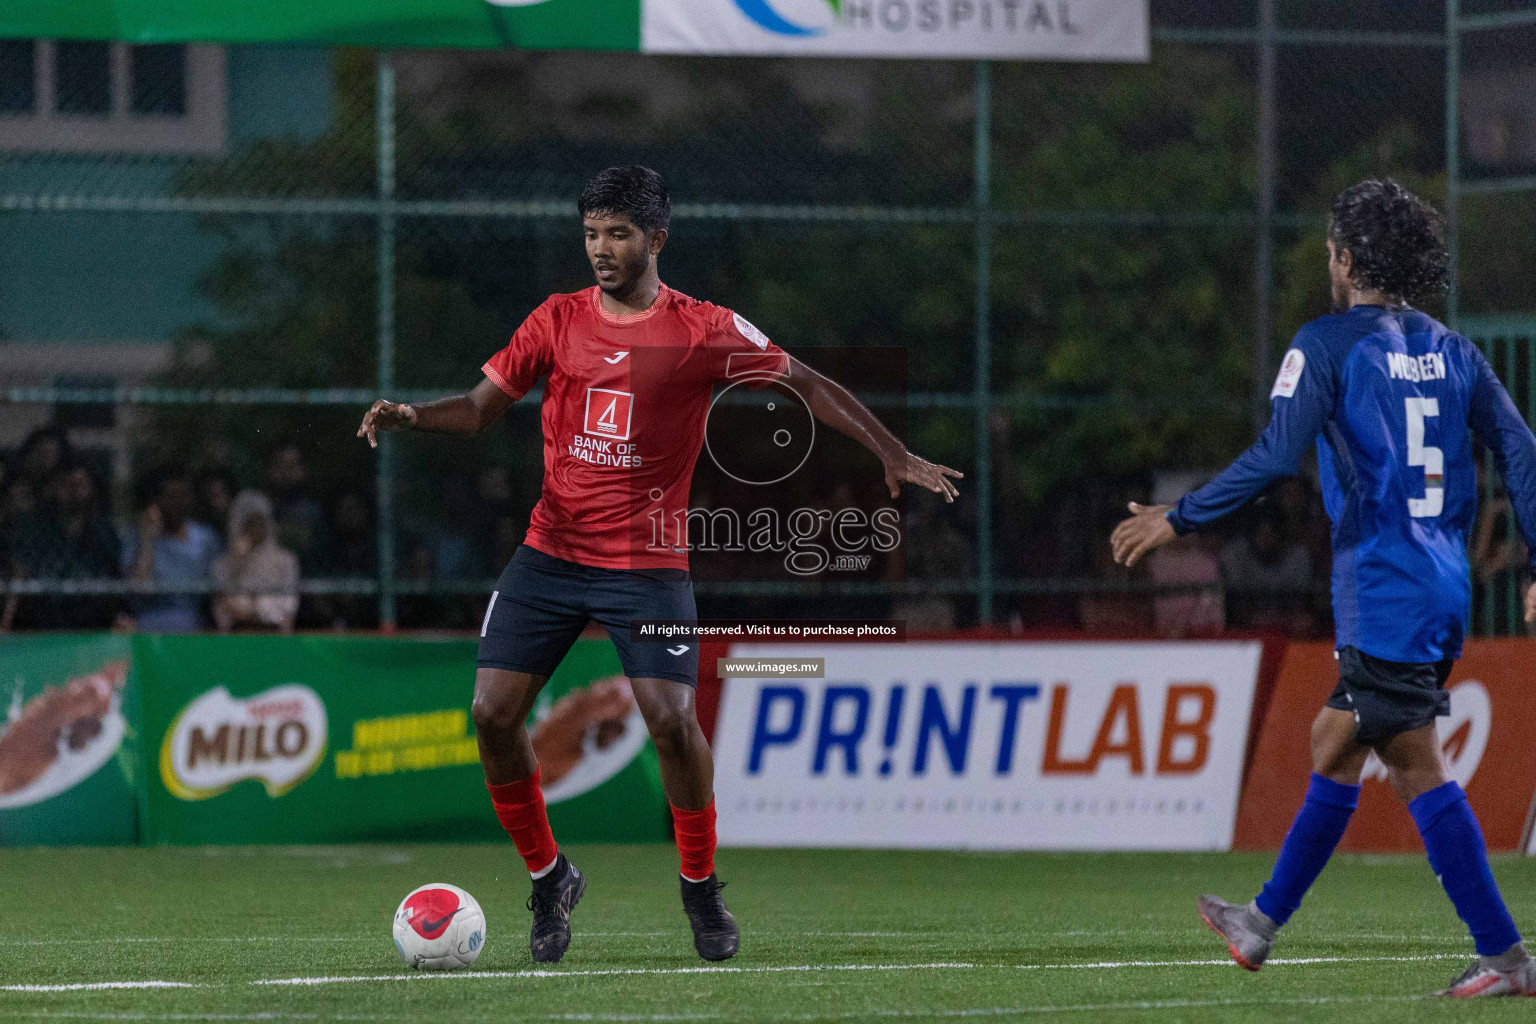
[[554, 897], [715, 934]]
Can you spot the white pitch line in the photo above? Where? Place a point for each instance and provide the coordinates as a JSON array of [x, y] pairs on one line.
[[612, 972], [265, 1015], [97, 986], [187, 938], [1278, 961], [682, 1018], [1160, 1004], [656, 971]]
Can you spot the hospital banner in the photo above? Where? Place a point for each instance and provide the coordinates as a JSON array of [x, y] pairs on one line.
[[982, 745], [1098, 30], [1113, 30]]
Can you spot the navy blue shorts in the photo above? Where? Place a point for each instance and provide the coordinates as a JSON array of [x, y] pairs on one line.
[[542, 604], [1389, 697]]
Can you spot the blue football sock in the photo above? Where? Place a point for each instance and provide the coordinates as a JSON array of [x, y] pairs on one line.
[[1318, 827], [1459, 859]]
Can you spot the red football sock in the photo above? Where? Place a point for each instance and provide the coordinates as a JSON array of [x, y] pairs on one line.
[[520, 809], [695, 832]]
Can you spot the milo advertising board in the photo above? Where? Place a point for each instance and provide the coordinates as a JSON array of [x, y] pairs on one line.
[[69, 766], [318, 739]]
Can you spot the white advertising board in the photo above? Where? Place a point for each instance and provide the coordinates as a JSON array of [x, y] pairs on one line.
[[1109, 30], [1006, 746]]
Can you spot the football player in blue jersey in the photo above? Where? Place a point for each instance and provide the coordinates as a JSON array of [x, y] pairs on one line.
[[1388, 394]]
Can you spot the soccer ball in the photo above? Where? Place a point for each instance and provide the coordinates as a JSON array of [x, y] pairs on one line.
[[439, 927]]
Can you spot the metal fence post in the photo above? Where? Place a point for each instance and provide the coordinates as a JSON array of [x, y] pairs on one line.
[[384, 116], [1264, 226], [983, 368], [1453, 157]]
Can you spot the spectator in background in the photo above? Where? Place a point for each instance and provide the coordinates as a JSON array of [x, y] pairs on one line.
[[455, 530], [419, 611], [935, 550], [256, 581], [170, 549], [44, 452], [499, 531], [351, 551], [1198, 608], [16, 502], [297, 514], [20, 499], [67, 538], [1496, 549], [6, 519], [215, 493], [1269, 577]]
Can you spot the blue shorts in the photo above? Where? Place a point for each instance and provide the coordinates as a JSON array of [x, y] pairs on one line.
[[542, 604], [1389, 697]]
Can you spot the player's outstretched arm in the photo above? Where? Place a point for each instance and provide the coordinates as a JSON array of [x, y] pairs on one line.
[[464, 415], [1300, 404], [832, 404]]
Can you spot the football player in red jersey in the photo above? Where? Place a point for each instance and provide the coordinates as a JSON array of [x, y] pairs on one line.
[[629, 367]]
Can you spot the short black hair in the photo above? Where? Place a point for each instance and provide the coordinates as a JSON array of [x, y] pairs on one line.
[[1395, 239], [638, 193]]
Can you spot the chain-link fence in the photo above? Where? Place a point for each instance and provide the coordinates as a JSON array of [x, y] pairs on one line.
[[217, 256]]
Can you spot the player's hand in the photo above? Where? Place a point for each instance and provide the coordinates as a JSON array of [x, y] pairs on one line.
[[1147, 530], [1530, 604], [386, 416], [907, 468]]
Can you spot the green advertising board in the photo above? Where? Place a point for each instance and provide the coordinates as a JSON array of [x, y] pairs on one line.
[[542, 25], [321, 739], [70, 765]]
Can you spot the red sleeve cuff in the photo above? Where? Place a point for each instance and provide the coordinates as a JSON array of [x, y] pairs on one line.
[[501, 382]]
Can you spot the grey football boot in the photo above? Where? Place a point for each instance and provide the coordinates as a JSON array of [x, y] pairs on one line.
[[1511, 973], [1247, 930]]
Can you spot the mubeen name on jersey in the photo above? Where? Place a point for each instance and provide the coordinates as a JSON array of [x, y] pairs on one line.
[[1429, 366]]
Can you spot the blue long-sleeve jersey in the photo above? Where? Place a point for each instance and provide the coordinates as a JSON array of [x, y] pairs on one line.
[[1388, 396]]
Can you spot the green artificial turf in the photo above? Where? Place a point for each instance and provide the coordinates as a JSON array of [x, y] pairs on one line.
[[221, 918]]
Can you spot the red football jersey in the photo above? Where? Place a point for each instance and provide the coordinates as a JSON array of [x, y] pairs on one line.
[[624, 415]]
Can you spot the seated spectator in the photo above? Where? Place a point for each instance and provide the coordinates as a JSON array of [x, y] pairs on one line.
[[257, 581], [498, 529], [169, 549], [1199, 610], [1268, 577], [351, 552], [215, 491], [19, 499], [296, 513], [67, 538], [43, 453]]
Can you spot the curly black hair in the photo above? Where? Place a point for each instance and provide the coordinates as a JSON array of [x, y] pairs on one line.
[[638, 193], [1395, 239]]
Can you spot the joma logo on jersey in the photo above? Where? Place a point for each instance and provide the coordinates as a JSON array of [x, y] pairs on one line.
[[608, 413]]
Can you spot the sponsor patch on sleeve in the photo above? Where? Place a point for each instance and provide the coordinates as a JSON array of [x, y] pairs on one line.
[[1290, 374], [750, 332]]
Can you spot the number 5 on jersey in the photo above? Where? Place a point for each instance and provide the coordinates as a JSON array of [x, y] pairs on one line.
[[1431, 458]]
